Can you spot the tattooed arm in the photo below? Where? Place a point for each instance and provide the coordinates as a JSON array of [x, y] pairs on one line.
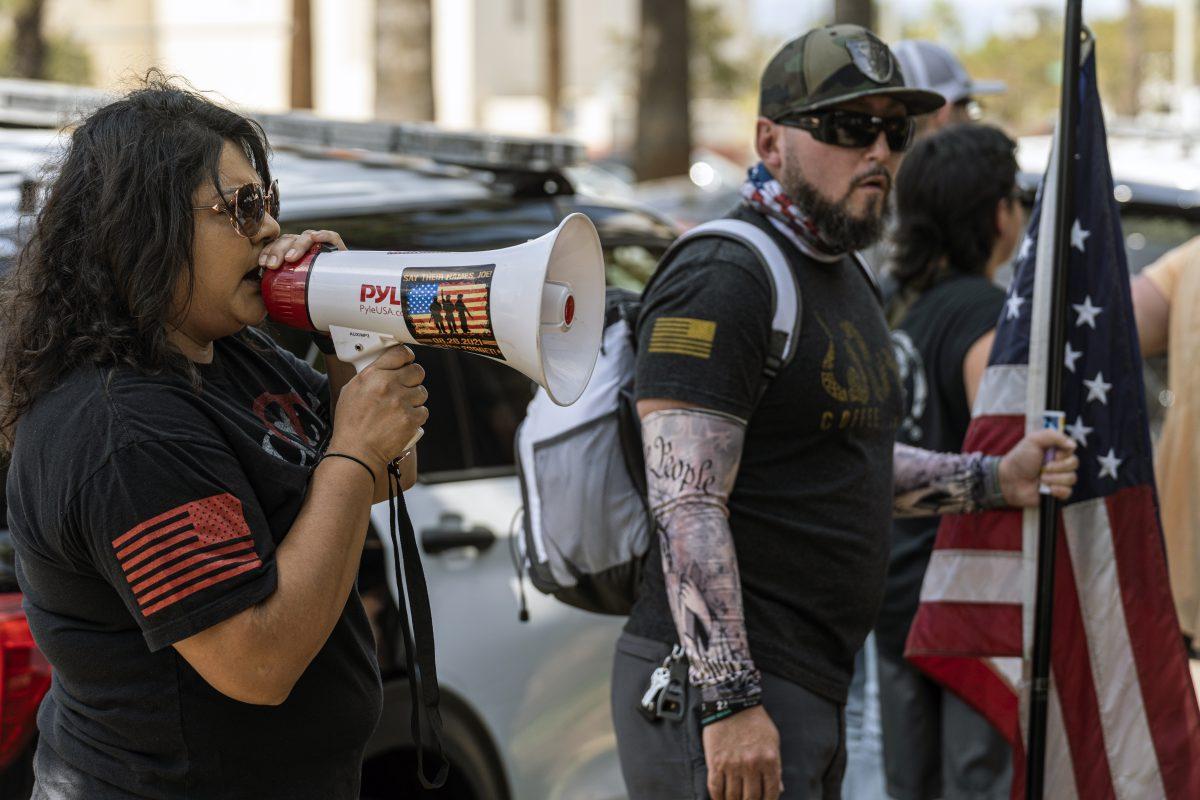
[[692, 458], [928, 483]]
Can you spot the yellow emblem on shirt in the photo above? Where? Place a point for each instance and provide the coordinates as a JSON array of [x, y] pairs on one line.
[[683, 336]]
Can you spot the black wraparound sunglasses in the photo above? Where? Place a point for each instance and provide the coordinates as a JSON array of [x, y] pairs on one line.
[[248, 207], [844, 128]]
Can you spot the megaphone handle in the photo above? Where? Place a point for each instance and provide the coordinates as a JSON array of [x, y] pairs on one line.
[[361, 348]]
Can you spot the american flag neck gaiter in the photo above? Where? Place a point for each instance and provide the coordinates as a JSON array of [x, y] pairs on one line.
[[762, 192]]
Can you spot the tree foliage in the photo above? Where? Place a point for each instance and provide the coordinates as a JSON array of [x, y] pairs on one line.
[[57, 58], [1030, 62], [714, 72], [940, 24]]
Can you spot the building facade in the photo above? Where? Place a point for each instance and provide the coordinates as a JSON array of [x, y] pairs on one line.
[[490, 59]]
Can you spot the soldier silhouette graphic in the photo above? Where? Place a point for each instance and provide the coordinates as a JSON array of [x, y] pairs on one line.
[[461, 308], [448, 310], [435, 313]]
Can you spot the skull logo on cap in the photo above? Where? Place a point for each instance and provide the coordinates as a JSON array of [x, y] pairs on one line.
[[872, 58]]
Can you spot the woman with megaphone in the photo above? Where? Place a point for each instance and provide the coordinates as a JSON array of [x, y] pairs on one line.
[[187, 500]]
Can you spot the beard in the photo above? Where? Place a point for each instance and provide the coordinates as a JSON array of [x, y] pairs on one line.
[[839, 227]]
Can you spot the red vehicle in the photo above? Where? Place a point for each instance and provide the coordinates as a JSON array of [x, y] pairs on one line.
[[24, 680]]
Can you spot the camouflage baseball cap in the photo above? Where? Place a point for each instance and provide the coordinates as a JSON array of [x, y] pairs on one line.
[[832, 65]]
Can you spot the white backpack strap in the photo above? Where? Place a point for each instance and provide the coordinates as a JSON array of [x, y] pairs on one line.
[[785, 292], [869, 273]]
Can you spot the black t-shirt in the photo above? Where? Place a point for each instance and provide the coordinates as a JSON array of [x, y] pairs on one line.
[[144, 511], [931, 343], [811, 507]]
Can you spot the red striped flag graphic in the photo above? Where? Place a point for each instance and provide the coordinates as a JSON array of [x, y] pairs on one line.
[[474, 299], [185, 550]]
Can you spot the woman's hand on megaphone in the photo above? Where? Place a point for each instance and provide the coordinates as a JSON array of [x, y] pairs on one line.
[[291, 247], [380, 409]]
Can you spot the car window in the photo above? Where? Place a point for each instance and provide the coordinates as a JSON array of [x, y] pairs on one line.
[[446, 445], [477, 225], [629, 266], [495, 398], [633, 240]]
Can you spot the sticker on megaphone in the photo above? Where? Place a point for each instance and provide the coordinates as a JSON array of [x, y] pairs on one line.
[[450, 307]]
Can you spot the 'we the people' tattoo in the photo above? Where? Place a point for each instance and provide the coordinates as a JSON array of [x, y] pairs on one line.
[[692, 460], [928, 483]]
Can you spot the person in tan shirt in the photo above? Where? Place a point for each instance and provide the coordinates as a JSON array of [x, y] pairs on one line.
[[1166, 296]]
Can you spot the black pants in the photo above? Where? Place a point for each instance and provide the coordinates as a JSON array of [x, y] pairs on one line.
[[934, 744], [664, 760]]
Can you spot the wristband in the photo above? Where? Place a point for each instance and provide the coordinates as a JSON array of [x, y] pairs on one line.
[[723, 709], [358, 461], [992, 495]]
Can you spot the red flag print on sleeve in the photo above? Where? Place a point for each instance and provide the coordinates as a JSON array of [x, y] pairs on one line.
[[185, 550]]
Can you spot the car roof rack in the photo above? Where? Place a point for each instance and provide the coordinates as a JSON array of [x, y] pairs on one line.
[[43, 104], [471, 149]]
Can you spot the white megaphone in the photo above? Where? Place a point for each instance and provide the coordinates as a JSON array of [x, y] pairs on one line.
[[537, 307]]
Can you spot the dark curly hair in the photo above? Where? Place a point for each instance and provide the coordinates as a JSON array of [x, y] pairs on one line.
[[947, 190], [96, 281]]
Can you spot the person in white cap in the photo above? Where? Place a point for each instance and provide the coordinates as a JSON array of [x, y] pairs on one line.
[[931, 67], [928, 65]]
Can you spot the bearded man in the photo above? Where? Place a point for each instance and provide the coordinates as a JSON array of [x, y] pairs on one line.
[[764, 580]]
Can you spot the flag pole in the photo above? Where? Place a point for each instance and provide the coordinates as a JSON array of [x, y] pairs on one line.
[[1039, 696]]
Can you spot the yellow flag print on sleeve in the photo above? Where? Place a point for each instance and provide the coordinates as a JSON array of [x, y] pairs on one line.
[[683, 336]]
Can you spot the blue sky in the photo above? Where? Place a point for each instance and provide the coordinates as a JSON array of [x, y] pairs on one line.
[[979, 17]]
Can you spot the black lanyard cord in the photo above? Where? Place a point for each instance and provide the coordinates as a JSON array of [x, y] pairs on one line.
[[411, 592]]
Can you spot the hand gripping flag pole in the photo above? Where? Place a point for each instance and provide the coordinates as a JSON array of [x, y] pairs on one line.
[[1048, 513]]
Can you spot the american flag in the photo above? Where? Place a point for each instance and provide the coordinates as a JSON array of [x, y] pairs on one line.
[[474, 297], [1123, 720], [186, 550]]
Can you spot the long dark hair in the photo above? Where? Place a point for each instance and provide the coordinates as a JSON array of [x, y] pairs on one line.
[[946, 196], [96, 282]]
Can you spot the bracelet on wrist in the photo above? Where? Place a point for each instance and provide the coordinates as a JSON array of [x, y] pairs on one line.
[[348, 457], [992, 495], [723, 709]]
